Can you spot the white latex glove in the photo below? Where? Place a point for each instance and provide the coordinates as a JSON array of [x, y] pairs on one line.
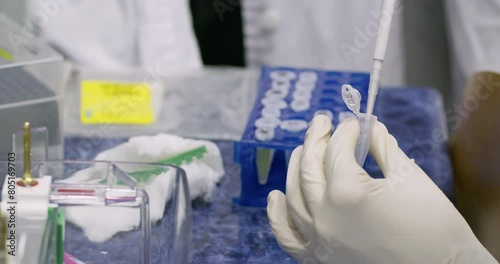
[[334, 212]]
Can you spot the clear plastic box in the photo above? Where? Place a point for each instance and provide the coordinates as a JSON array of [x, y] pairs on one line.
[[212, 103], [31, 87], [102, 186]]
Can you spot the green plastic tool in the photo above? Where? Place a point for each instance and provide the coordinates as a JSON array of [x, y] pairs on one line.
[[60, 236], [53, 239], [185, 157]]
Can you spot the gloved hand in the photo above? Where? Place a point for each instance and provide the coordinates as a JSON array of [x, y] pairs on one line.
[[334, 212]]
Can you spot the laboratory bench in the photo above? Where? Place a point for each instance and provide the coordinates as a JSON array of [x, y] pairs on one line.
[[223, 232]]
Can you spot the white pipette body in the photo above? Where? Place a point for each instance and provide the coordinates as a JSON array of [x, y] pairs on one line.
[[367, 121], [373, 86], [384, 29]]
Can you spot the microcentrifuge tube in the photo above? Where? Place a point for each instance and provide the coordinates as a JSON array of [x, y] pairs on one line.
[[271, 111], [308, 76], [300, 105], [294, 125], [304, 86], [274, 102], [283, 75], [302, 94], [264, 134], [267, 122], [277, 93], [281, 85], [345, 115]]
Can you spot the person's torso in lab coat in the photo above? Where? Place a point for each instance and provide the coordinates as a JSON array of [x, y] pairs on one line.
[[120, 34], [328, 34]]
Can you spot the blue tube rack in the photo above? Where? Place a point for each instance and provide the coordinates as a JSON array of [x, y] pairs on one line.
[[270, 156]]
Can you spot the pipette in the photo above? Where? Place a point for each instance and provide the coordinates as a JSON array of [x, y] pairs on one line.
[[384, 28], [351, 95]]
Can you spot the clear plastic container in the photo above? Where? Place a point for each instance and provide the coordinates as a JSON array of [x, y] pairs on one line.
[[31, 86], [107, 185], [212, 103]]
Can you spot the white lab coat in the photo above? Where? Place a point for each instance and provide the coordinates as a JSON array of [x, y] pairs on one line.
[[118, 34], [316, 33], [114, 35], [328, 34], [474, 38]]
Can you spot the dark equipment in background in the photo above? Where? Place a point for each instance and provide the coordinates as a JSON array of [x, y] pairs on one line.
[[219, 30]]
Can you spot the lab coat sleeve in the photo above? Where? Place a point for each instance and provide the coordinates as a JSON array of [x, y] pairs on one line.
[[115, 35], [166, 38], [98, 34]]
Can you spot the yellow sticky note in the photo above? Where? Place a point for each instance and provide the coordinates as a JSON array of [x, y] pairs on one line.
[[115, 103]]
